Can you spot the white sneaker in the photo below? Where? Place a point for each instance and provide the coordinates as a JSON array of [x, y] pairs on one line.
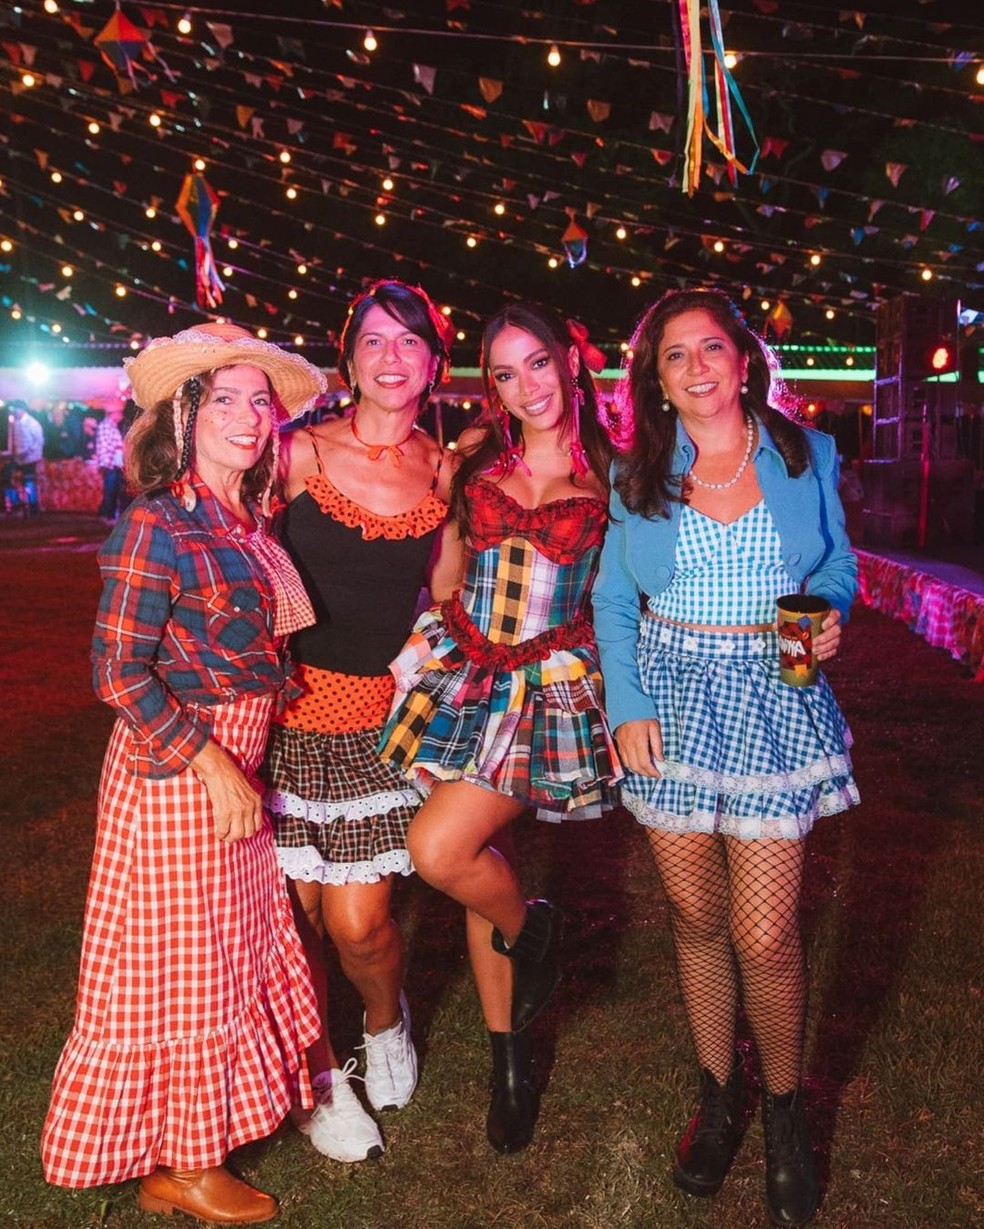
[[340, 1127], [391, 1064]]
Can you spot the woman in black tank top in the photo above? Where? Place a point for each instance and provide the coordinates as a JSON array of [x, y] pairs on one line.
[[365, 510]]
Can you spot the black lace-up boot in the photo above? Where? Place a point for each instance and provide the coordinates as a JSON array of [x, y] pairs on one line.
[[791, 1191], [709, 1144]]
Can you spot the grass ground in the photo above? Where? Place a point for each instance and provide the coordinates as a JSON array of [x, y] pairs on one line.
[[893, 923]]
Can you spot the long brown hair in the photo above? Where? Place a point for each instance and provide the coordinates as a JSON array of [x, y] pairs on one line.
[[151, 451], [550, 330], [643, 476]]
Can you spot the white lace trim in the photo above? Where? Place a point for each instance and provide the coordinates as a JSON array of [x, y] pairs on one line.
[[756, 783], [746, 827], [283, 803], [307, 864]]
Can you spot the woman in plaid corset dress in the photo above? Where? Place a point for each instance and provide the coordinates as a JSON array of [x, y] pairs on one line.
[[720, 505], [195, 1005], [498, 692]]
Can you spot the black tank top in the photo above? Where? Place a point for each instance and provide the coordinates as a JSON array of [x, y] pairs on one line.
[[363, 573]]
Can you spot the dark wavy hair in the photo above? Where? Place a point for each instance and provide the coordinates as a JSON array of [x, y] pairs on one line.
[[643, 476], [412, 307], [550, 330], [152, 460]]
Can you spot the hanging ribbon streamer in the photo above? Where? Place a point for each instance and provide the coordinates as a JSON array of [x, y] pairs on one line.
[[698, 108], [197, 206]]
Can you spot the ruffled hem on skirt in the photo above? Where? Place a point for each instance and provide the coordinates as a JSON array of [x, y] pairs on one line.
[[536, 733], [340, 815], [744, 754]]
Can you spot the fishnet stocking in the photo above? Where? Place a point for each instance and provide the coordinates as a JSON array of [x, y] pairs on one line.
[[694, 871], [730, 898]]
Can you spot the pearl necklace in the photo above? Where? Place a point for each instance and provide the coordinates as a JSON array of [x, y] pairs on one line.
[[723, 486]]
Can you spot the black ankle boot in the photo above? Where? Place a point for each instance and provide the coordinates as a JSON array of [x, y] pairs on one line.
[[515, 1101], [791, 1190], [536, 970], [709, 1144]]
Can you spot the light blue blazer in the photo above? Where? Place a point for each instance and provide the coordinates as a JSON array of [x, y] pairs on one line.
[[638, 557]]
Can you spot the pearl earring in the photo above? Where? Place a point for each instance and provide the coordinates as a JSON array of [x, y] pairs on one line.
[[666, 407], [743, 390]]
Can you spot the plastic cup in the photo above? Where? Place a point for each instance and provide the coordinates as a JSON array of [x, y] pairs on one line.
[[799, 619]]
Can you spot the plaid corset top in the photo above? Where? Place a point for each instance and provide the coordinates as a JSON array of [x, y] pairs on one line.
[[529, 570]]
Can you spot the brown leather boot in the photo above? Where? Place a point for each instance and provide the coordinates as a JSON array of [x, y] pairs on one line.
[[213, 1195]]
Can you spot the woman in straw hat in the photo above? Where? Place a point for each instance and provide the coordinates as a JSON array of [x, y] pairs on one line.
[[195, 1004], [366, 503]]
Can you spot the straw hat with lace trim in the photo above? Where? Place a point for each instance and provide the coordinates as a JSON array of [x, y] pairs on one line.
[[165, 363]]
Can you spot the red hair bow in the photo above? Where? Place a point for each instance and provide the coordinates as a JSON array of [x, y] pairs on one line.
[[591, 356]]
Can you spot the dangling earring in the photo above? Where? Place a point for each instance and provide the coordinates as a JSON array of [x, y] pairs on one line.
[[579, 458], [666, 407], [744, 390]]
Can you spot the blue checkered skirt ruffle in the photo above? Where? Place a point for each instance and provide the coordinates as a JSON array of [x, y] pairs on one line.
[[744, 754]]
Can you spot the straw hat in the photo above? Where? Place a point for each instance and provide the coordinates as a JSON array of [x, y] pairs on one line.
[[161, 368]]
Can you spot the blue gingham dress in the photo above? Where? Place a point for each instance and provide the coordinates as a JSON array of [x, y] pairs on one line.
[[744, 754]]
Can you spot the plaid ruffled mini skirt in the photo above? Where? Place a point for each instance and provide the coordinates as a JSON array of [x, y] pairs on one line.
[[536, 732], [340, 815], [744, 754]]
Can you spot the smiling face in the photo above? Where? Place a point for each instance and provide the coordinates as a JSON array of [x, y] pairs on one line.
[[390, 365], [700, 368], [527, 377], [234, 423]]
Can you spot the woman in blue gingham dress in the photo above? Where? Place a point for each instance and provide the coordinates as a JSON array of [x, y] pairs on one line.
[[721, 505]]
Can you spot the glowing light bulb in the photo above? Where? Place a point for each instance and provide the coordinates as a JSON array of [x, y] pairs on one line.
[[829, 313], [292, 293], [553, 56], [636, 280], [471, 241], [380, 219], [621, 233], [184, 24], [233, 244], [291, 194], [120, 292], [730, 59], [200, 164], [387, 184], [285, 156], [150, 212], [815, 259], [28, 80], [298, 340], [553, 262], [499, 208], [156, 245], [6, 245], [460, 335], [718, 245], [56, 176], [369, 42], [78, 215], [302, 269], [765, 305], [154, 120], [94, 128], [67, 270], [261, 334], [927, 275]]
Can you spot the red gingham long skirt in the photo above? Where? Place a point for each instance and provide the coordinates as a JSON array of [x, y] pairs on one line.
[[195, 1003]]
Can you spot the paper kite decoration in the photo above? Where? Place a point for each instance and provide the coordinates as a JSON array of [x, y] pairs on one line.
[[121, 44], [197, 206], [575, 241]]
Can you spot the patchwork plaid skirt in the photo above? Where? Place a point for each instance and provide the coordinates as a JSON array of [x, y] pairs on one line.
[[195, 1004], [745, 755], [340, 815], [536, 733]]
